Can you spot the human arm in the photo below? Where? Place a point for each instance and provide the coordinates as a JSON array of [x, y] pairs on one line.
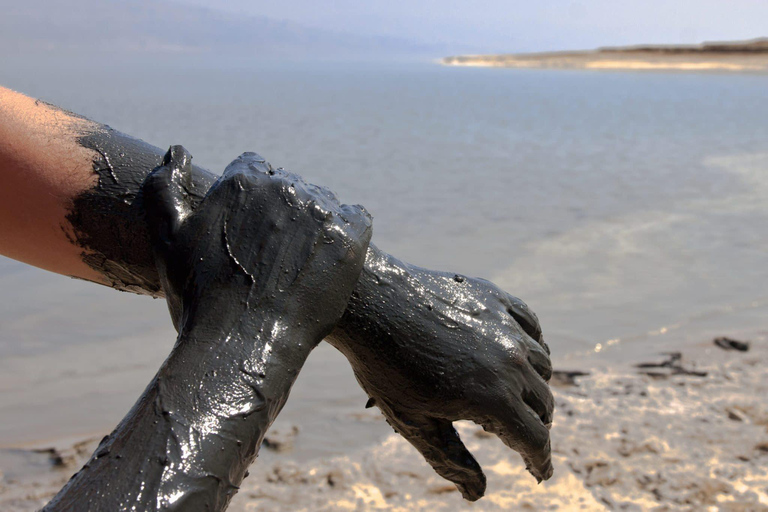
[[100, 228], [250, 300]]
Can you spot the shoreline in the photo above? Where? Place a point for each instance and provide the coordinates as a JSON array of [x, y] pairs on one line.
[[623, 437], [736, 57]]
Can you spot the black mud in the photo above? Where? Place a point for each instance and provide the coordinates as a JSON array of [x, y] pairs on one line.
[[255, 277], [108, 220]]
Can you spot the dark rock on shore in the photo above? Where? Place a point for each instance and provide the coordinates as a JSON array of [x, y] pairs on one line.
[[731, 344]]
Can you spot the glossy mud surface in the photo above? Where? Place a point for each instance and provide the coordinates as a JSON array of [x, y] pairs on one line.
[[256, 273]]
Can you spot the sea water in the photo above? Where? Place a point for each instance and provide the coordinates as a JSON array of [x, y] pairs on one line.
[[628, 209]]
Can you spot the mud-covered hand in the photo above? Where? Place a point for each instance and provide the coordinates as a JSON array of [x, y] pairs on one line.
[[262, 241], [255, 275], [430, 348]]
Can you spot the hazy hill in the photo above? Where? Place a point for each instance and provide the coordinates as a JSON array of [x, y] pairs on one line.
[[161, 26]]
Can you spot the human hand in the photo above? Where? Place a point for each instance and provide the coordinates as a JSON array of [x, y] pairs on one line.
[[261, 240], [431, 348], [255, 275]]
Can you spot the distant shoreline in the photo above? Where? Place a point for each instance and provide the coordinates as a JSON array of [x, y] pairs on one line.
[[729, 57]]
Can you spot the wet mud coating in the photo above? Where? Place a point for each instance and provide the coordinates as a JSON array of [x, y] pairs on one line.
[[108, 221], [461, 349], [428, 347], [255, 277]]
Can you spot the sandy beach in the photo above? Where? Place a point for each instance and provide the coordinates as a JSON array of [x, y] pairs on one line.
[[687, 432]]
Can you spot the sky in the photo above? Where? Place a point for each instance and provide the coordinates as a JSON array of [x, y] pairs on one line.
[[515, 25], [361, 29]]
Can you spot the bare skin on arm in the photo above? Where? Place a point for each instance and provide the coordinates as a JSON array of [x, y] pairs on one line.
[[43, 167], [412, 335]]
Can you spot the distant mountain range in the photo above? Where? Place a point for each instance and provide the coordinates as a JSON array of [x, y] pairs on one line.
[[166, 27]]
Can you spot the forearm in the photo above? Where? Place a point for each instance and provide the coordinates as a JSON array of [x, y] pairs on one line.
[[43, 168], [190, 438], [248, 309], [70, 201]]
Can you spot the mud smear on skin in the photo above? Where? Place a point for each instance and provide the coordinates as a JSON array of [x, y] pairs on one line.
[[108, 221], [255, 278]]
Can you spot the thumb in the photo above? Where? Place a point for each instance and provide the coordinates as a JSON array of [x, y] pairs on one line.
[[166, 196], [441, 446]]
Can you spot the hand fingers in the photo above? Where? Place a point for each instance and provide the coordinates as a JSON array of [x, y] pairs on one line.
[[539, 359], [527, 319], [537, 395], [352, 224], [165, 194], [442, 448], [521, 428], [287, 223]]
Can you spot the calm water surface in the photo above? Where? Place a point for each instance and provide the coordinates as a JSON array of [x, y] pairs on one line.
[[627, 209]]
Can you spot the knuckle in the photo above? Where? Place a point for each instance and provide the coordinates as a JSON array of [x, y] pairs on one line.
[[323, 193], [517, 356], [360, 214], [320, 213], [237, 181], [255, 163]]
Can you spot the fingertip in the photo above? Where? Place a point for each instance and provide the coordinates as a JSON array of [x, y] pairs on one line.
[[549, 472], [540, 464], [543, 471], [541, 403], [442, 448], [521, 428], [473, 490]]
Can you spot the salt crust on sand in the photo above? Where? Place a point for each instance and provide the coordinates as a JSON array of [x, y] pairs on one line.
[[621, 441]]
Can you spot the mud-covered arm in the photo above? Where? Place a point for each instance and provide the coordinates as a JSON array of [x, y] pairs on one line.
[[400, 329], [250, 300]]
